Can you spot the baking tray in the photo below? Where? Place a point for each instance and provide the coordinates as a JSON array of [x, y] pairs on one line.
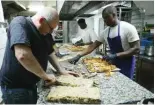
[[114, 70]]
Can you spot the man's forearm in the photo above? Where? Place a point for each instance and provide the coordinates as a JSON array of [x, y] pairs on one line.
[[130, 52], [53, 60], [29, 62], [55, 49], [87, 51], [90, 48], [88, 43]]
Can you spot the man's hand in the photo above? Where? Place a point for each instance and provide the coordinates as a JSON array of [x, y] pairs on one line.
[[58, 54], [79, 44], [109, 57], [50, 80], [74, 60], [65, 72]]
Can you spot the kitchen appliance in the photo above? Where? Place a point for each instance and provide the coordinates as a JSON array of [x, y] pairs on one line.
[[149, 50]]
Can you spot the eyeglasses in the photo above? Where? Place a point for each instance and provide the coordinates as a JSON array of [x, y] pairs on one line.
[[51, 29]]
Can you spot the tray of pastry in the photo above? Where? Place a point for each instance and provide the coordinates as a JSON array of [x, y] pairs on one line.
[[74, 95], [74, 90], [98, 65], [76, 48]]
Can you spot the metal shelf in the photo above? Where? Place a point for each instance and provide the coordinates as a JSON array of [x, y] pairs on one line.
[[136, 19], [136, 23]]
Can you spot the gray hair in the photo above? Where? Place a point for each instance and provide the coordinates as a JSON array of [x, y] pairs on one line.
[[48, 13]]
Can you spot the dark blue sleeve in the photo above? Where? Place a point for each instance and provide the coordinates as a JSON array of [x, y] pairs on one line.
[[50, 43], [18, 35]]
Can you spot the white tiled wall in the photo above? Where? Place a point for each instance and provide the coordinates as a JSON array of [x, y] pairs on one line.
[[3, 39], [1, 55], [1, 12]]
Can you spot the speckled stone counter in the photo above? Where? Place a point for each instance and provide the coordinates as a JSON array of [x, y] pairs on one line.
[[120, 89], [113, 90], [116, 89]]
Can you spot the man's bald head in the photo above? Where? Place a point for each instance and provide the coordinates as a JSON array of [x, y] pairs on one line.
[[110, 10], [109, 15]]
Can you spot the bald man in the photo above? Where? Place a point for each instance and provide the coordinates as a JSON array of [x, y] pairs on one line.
[[123, 41], [28, 49]]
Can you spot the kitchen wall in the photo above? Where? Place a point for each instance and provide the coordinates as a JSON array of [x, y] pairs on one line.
[[3, 39], [3, 36], [73, 29], [98, 24], [98, 28], [59, 4], [90, 22], [1, 13]]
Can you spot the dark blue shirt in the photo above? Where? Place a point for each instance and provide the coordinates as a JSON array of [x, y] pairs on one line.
[[22, 31]]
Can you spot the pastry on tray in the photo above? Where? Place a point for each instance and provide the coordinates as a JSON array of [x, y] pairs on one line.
[[76, 95], [69, 80], [76, 48], [99, 65]]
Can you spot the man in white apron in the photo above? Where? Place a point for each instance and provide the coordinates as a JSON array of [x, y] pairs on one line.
[[86, 36], [123, 40]]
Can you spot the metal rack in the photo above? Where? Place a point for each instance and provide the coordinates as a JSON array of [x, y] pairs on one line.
[[138, 19], [133, 15]]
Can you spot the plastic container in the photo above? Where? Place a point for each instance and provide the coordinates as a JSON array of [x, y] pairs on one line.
[[144, 42], [142, 50]]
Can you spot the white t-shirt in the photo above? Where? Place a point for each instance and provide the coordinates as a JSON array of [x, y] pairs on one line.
[[87, 35], [128, 33]]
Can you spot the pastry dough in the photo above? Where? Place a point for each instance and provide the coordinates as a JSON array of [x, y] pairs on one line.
[[69, 80], [76, 95], [76, 48]]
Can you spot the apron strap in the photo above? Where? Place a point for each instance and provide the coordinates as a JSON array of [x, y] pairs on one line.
[[118, 30], [108, 32]]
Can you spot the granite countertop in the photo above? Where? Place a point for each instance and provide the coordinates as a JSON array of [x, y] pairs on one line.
[[116, 89], [113, 90], [120, 89]]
